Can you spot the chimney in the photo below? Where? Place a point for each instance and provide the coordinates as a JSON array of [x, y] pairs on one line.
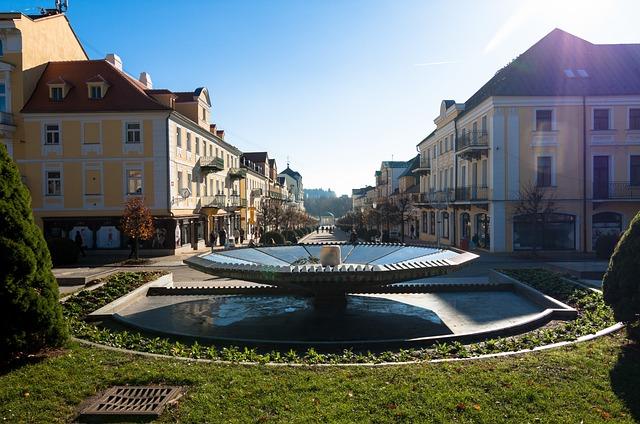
[[145, 79], [114, 60], [220, 133], [212, 128]]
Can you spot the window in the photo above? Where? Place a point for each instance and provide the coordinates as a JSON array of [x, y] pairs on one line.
[[188, 142], [178, 137], [179, 180], [634, 170], [445, 225], [600, 119], [483, 126], [424, 222], [197, 146], [543, 178], [554, 231], [543, 120], [432, 223], [56, 94], [634, 119], [54, 183], [134, 181], [95, 92], [52, 134], [3, 98], [189, 180], [133, 132]]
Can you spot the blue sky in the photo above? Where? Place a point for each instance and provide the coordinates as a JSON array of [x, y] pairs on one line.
[[335, 85]]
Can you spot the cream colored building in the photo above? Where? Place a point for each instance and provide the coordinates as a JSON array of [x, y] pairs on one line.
[[568, 124]]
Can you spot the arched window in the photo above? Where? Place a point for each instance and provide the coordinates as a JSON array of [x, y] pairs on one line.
[[465, 224], [445, 225], [481, 238], [432, 223], [556, 231]]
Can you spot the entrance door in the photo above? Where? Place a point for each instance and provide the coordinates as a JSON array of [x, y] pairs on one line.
[[601, 177]]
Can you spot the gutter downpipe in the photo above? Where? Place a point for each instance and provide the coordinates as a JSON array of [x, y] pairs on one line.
[[584, 174]]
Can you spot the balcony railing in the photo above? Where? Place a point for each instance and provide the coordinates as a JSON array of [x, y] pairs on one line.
[[616, 190], [211, 164], [472, 193], [6, 118], [218, 201], [275, 195], [256, 192], [436, 197], [424, 166], [237, 173], [474, 139]]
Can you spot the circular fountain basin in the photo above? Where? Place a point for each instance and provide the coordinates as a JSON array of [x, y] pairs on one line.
[[364, 266]]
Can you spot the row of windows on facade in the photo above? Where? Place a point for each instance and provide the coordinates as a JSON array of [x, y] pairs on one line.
[[133, 133], [544, 122], [233, 161], [208, 185], [445, 177], [544, 171], [133, 183]]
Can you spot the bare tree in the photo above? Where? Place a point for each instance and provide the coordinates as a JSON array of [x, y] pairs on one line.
[[404, 205], [536, 206]]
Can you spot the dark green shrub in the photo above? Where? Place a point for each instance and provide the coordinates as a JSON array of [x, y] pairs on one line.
[[64, 251], [299, 232], [29, 310], [290, 236], [371, 235], [621, 283], [272, 238], [605, 244]]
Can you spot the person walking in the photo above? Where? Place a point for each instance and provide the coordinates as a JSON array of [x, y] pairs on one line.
[[222, 235], [353, 238], [80, 243], [236, 236], [241, 235]]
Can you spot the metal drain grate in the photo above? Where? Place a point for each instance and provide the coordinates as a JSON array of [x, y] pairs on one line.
[[131, 401]]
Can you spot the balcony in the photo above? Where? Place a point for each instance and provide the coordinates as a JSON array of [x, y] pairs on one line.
[[424, 167], [435, 199], [256, 192], [472, 194], [211, 164], [237, 173], [616, 190], [473, 145], [275, 195], [218, 201]]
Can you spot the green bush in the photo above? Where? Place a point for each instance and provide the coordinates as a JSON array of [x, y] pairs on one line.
[[272, 238], [64, 251], [605, 244], [299, 232], [30, 313], [290, 236], [621, 283]]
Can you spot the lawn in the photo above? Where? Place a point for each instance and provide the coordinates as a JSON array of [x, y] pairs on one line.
[[588, 382]]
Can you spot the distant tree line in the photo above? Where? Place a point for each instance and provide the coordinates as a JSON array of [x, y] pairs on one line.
[[338, 206]]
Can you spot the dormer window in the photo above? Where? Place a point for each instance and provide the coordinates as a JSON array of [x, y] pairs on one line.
[[55, 93], [95, 92], [97, 87]]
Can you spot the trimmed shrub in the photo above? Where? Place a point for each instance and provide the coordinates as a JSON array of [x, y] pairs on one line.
[[621, 283], [64, 251], [290, 236], [272, 238], [30, 313], [605, 244]]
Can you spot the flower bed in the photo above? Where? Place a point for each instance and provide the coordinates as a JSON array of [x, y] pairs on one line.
[[593, 316]]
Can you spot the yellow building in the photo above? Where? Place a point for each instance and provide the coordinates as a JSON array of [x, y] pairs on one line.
[[27, 43], [95, 137], [562, 119]]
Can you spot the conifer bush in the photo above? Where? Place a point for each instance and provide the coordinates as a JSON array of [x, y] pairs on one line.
[[621, 283], [30, 314], [272, 238]]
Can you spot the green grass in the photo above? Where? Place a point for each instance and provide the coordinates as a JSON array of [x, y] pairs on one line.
[[590, 382]]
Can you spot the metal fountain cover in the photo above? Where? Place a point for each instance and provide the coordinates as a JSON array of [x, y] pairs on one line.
[[363, 265]]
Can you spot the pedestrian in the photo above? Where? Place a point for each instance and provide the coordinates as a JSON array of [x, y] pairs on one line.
[[241, 235], [213, 239], [80, 243], [413, 229], [236, 236], [131, 244], [353, 238], [222, 235], [318, 230]]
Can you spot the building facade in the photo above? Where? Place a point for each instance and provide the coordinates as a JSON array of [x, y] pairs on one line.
[[566, 125]]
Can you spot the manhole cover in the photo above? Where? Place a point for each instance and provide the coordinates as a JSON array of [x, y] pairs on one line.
[[130, 402]]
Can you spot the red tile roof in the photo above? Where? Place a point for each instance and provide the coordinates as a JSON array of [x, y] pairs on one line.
[[124, 94]]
